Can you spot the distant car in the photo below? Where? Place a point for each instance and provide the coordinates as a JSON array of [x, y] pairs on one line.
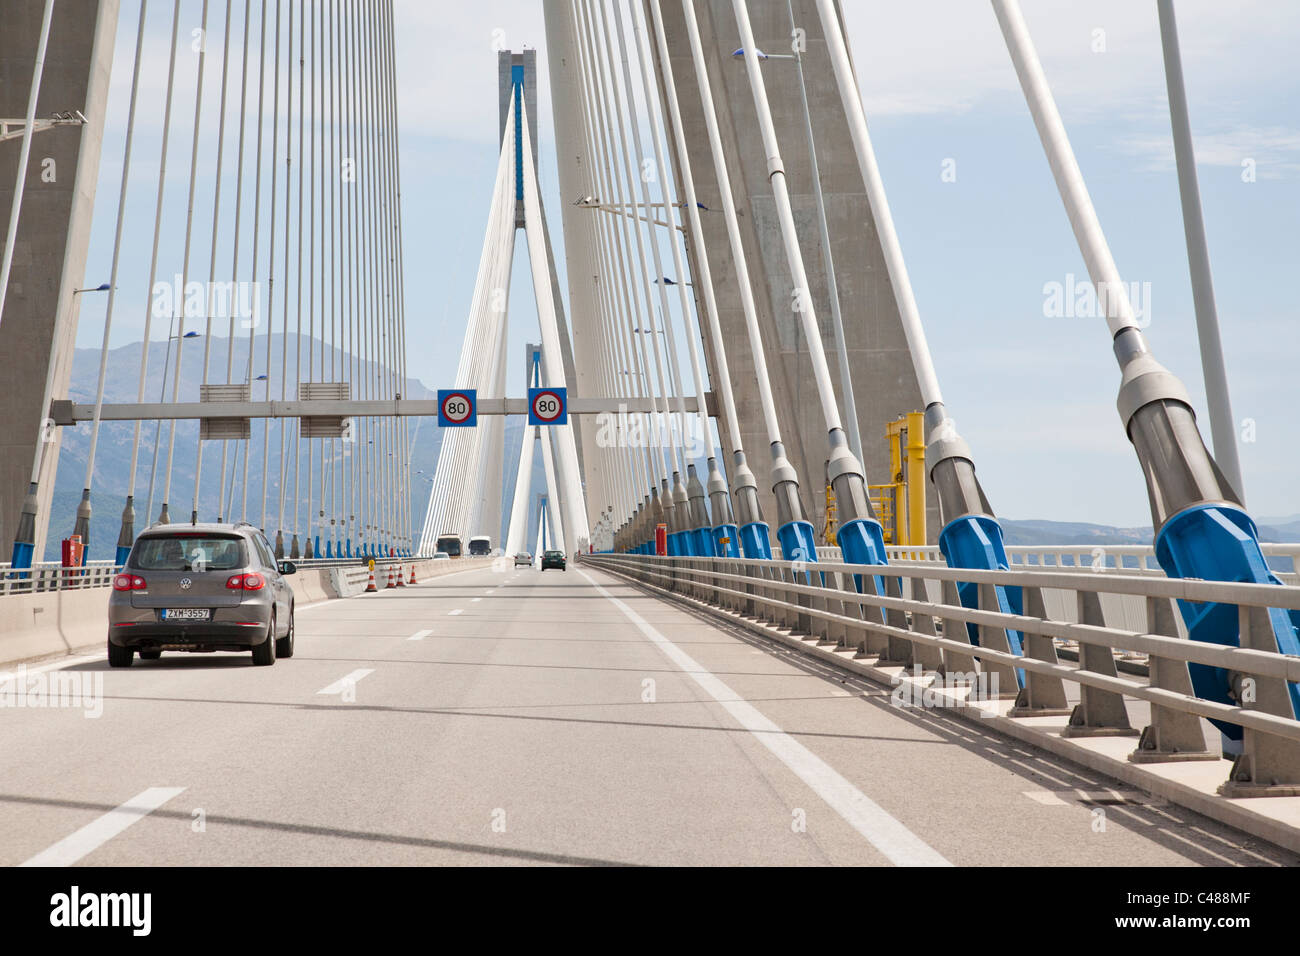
[[523, 558], [441, 556], [553, 559], [201, 587]]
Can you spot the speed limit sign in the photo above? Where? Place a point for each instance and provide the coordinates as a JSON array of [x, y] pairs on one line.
[[548, 406], [456, 407]]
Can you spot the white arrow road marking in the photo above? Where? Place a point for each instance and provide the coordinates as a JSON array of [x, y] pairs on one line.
[[343, 683], [884, 832], [99, 831], [419, 635]]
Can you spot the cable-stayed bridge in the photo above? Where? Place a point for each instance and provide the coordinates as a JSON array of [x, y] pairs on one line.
[[760, 605]]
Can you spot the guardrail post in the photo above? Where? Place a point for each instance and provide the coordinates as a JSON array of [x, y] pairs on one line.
[[855, 636], [1268, 765], [1099, 713], [1043, 695], [1172, 735], [897, 649], [875, 642], [749, 605], [1001, 681], [955, 662], [927, 656], [835, 631], [803, 623], [818, 602], [775, 593]]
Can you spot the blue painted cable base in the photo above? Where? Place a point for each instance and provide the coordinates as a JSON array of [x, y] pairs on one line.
[[122, 552], [726, 541], [22, 555], [690, 544], [703, 541], [975, 542], [756, 541], [798, 543], [862, 541], [1220, 543]]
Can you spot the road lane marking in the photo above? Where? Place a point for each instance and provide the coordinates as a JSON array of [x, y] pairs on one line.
[[419, 635], [883, 831], [99, 831], [459, 610], [343, 683], [474, 600]]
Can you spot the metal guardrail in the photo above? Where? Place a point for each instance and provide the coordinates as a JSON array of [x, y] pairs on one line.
[[52, 576], [1283, 559], [907, 626]]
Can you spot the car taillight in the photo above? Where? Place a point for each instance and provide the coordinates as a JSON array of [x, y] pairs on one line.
[[129, 582], [246, 582]]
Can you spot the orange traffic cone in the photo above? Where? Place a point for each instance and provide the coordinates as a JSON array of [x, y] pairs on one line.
[[412, 581], [370, 585], [390, 577], [401, 582]]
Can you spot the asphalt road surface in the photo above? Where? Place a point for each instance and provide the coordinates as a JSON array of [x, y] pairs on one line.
[[517, 716]]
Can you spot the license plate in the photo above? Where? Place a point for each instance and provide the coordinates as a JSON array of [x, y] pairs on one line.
[[186, 613]]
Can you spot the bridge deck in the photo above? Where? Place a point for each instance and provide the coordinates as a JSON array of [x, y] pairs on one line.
[[499, 718]]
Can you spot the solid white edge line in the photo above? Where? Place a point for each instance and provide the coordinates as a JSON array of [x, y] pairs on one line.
[[102, 829], [883, 831], [344, 682]]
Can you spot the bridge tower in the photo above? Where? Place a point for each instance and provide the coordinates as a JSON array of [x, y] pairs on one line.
[[38, 324]]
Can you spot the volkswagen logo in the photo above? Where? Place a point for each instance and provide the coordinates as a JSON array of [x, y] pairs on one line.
[[185, 584]]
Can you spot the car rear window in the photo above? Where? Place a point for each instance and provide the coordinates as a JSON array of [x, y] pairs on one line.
[[189, 552]]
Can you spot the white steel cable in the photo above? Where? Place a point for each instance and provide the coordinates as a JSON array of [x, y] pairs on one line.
[[212, 253], [117, 249], [153, 264], [733, 228], [222, 512], [692, 338], [594, 82], [696, 232], [257, 219], [185, 256], [899, 280], [653, 240], [785, 216]]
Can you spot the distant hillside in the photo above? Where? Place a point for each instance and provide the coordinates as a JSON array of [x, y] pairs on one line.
[[1039, 533]]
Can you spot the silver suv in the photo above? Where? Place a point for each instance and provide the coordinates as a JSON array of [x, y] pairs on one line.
[[201, 587]]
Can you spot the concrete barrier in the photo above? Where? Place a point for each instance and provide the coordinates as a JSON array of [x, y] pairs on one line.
[[51, 623]]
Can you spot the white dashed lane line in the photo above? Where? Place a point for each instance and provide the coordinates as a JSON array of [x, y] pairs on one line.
[[419, 635], [99, 831]]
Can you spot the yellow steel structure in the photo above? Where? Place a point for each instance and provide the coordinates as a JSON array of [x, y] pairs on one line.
[[900, 503]]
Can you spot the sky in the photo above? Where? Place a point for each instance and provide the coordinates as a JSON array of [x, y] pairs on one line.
[[1033, 393]]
